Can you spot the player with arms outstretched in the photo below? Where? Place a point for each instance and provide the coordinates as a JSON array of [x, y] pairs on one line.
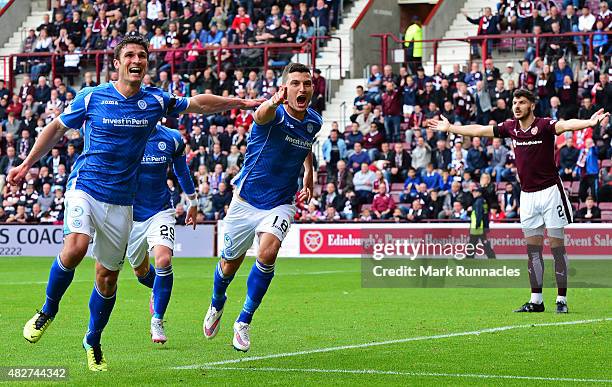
[[154, 220], [544, 203], [117, 119], [280, 143]]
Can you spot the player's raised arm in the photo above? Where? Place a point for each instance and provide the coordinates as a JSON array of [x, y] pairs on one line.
[[306, 192], [574, 124], [47, 139], [181, 170], [444, 125], [209, 103], [267, 111]]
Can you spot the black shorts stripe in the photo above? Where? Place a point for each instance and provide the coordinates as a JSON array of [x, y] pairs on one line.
[[568, 213]]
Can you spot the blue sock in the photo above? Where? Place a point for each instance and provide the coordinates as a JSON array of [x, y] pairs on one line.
[[257, 284], [60, 278], [149, 278], [162, 288], [221, 283], [100, 309]]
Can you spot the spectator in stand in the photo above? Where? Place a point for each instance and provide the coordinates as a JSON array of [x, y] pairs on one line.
[[364, 182], [24, 144], [491, 74], [421, 155], [358, 157], [318, 96], [383, 204], [417, 212], [331, 197], [321, 16], [410, 186], [464, 103], [509, 75], [525, 13], [510, 202], [343, 178], [45, 199], [374, 85], [561, 72], [400, 162], [586, 22], [605, 15], [221, 201], [487, 26], [498, 156], [359, 102], [568, 95], [334, 150], [483, 103], [364, 119], [590, 211], [8, 162], [476, 159], [587, 168], [554, 110], [431, 178], [373, 141], [600, 40], [568, 156], [602, 93], [353, 137]]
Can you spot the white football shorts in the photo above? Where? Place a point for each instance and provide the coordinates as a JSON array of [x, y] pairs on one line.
[[109, 226], [550, 208], [243, 222], [158, 230]]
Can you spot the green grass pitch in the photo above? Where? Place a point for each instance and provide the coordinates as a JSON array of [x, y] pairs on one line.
[[315, 306]]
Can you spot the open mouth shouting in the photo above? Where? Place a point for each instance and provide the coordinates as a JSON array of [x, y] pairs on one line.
[[302, 101], [135, 70]]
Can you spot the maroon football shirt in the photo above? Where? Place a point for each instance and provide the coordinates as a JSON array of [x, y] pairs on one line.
[[534, 149]]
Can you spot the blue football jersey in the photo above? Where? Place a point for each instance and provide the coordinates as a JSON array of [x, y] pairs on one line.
[[115, 131], [275, 154], [165, 148]]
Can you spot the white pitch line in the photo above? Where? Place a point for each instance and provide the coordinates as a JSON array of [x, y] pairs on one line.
[[181, 277], [403, 373], [387, 342]]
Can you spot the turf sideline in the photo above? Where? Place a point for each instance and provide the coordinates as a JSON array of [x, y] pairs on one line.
[[404, 373], [388, 342]]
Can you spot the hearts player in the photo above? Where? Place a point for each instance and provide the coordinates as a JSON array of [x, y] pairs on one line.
[[543, 200]]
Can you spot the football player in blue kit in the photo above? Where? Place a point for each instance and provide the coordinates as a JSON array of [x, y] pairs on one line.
[[154, 220], [279, 145], [116, 119]]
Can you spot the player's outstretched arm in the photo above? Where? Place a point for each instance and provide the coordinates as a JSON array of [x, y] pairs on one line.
[[47, 139], [181, 170], [574, 124], [306, 192], [209, 103], [444, 125], [267, 111]]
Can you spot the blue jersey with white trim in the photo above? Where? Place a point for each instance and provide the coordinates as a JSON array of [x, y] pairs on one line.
[[115, 130], [165, 148], [275, 154]]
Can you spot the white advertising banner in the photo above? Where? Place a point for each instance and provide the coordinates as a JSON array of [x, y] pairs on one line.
[[44, 241], [345, 240]]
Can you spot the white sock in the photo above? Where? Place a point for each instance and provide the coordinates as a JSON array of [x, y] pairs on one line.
[[562, 299], [536, 298]]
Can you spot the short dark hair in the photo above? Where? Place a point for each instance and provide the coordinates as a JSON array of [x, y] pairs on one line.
[[294, 68], [134, 39], [526, 94]]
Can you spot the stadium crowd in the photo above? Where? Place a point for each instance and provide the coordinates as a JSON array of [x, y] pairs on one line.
[[386, 165]]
